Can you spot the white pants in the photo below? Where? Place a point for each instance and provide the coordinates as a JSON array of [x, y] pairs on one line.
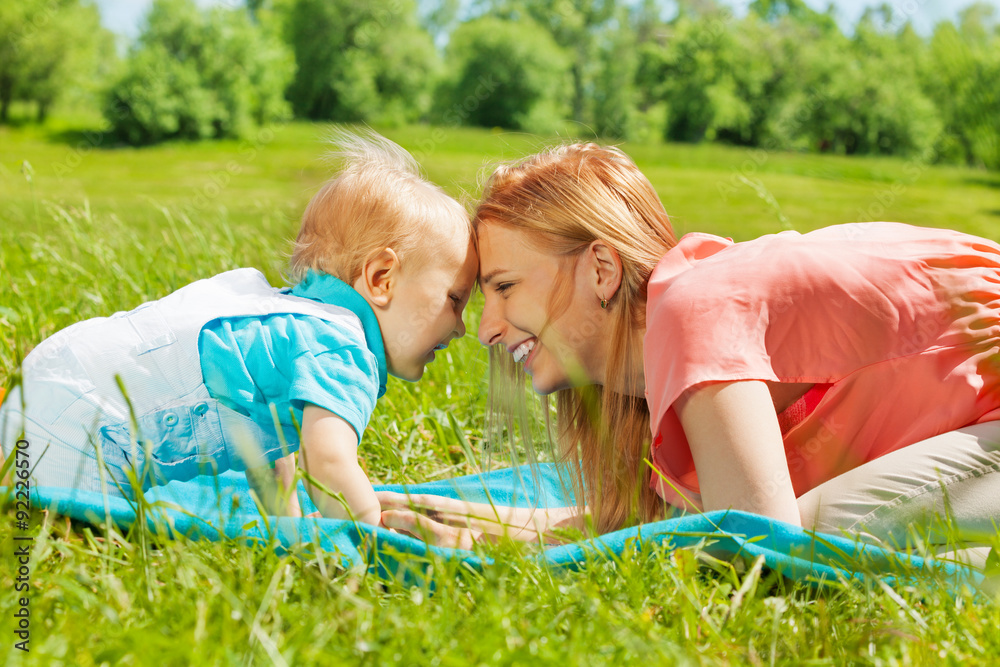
[[946, 488]]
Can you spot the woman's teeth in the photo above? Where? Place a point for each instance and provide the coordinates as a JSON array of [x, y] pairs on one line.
[[523, 350]]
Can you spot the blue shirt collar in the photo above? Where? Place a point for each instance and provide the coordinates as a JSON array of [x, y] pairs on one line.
[[328, 289]]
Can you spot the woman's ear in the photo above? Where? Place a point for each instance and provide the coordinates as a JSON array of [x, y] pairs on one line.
[[605, 268], [378, 277]]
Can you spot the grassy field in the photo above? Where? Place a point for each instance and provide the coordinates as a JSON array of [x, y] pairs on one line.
[[86, 231]]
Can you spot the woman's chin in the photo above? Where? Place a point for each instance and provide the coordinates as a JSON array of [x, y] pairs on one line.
[[543, 385]]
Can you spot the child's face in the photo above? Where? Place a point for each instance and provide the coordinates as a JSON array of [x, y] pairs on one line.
[[425, 313]]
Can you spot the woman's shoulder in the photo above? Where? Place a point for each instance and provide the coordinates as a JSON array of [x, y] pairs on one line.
[[707, 280], [836, 253], [703, 268]]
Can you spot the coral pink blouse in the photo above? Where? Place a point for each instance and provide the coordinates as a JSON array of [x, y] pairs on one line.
[[898, 326]]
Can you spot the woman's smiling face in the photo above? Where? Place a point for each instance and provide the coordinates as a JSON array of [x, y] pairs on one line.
[[538, 306]]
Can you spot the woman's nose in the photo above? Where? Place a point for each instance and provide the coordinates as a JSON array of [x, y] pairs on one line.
[[490, 324]]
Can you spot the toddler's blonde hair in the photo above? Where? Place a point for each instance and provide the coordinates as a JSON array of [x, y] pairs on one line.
[[378, 200]]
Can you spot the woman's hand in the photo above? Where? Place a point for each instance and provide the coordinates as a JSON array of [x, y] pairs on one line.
[[430, 531], [440, 508], [443, 519]]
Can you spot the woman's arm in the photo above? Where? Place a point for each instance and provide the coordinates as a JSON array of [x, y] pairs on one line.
[[457, 523], [735, 441], [329, 458]]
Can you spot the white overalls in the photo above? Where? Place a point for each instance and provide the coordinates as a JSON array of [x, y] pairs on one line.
[[70, 402]]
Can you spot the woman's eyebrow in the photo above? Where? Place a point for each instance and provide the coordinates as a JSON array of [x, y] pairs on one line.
[[484, 281]]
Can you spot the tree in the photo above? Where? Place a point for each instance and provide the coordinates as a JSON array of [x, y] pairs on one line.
[[774, 11], [360, 61], [48, 47], [614, 98], [507, 74], [960, 74], [858, 95], [197, 74], [439, 17], [574, 25], [714, 75]]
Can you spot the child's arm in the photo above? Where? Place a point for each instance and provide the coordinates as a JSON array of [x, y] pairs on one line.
[[275, 487], [284, 473], [329, 454]]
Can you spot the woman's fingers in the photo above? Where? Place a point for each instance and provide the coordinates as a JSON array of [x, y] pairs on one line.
[[496, 521], [393, 500], [481, 518], [437, 507], [429, 530], [411, 500]]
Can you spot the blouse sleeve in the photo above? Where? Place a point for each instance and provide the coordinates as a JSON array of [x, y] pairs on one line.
[[783, 308]]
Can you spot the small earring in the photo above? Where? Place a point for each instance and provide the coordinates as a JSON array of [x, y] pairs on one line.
[[604, 303]]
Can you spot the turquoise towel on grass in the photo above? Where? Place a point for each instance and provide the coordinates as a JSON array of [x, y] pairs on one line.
[[211, 507]]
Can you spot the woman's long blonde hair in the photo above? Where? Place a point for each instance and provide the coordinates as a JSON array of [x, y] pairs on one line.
[[564, 199]]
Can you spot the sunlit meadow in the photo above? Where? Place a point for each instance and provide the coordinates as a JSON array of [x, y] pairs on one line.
[[86, 231]]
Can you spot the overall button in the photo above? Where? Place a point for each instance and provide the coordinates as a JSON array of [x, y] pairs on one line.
[[201, 409], [170, 419]]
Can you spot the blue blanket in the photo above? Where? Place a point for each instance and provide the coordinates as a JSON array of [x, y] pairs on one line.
[[211, 507]]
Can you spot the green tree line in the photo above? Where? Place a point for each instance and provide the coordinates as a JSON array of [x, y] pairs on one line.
[[782, 76]]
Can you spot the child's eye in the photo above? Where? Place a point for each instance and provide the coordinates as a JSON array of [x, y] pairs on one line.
[[503, 288]]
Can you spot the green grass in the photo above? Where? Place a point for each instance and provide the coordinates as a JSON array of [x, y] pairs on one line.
[[99, 230]]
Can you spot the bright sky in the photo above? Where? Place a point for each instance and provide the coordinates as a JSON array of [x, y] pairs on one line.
[[124, 16], [923, 13]]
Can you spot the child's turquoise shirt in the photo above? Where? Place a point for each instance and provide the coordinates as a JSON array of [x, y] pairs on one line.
[[289, 360]]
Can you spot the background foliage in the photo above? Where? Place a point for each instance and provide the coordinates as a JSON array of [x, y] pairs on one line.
[[49, 47], [198, 75], [780, 76], [510, 75], [355, 61]]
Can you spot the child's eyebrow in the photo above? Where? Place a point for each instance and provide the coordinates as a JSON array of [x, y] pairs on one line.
[[463, 292]]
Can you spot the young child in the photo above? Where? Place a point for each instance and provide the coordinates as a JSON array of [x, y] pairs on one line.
[[217, 375]]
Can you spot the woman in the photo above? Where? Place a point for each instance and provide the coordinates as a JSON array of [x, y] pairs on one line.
[[845, 379]]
